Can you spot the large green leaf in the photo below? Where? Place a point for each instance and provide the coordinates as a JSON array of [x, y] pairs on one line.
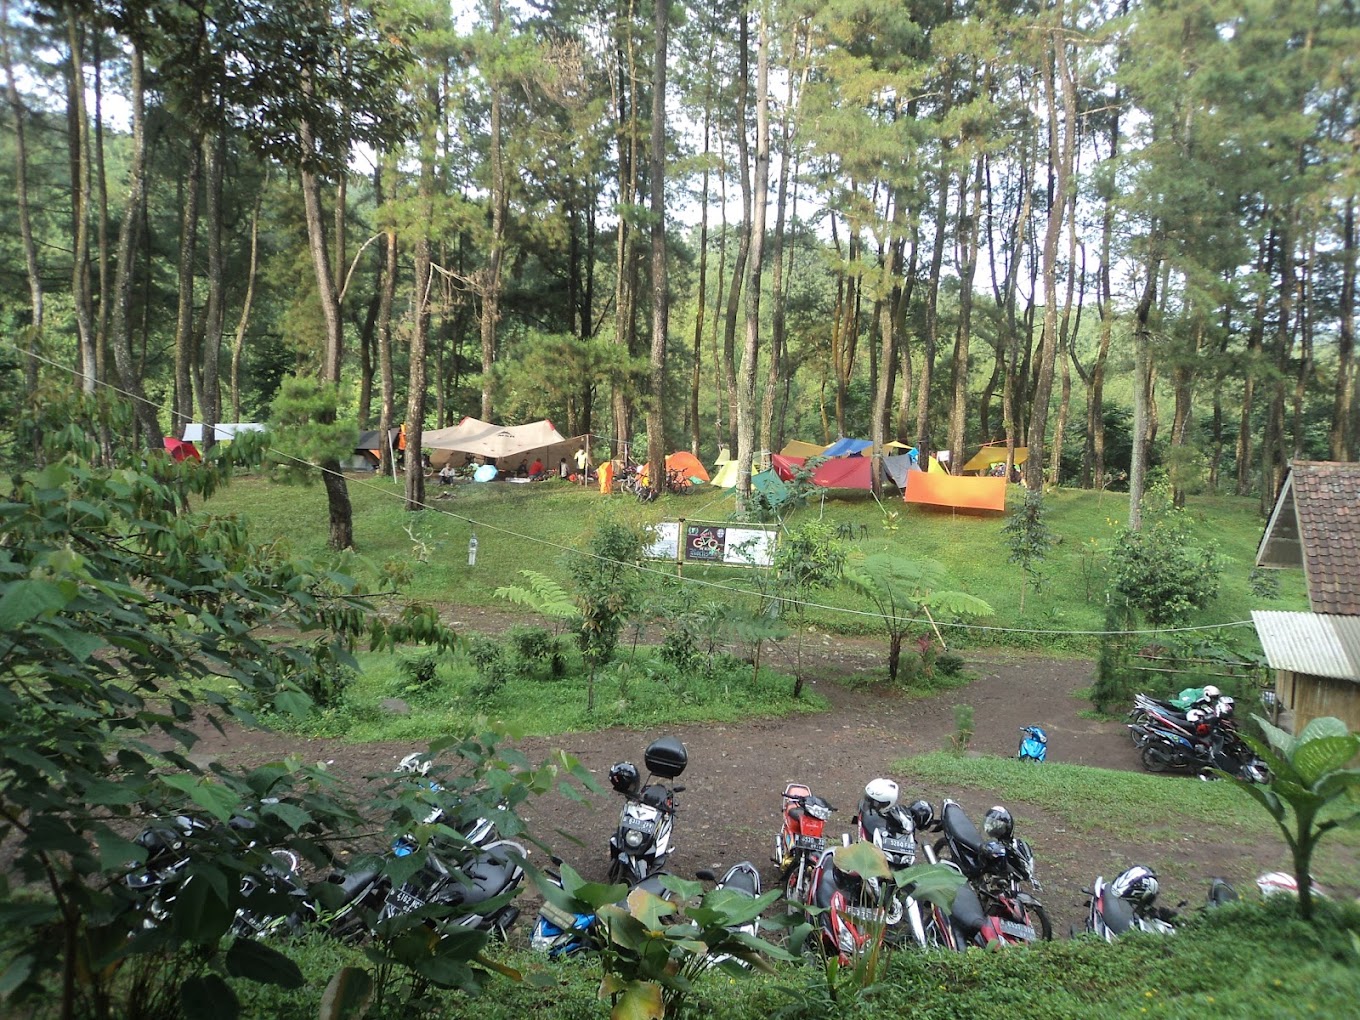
[[214, 798], [935, 883], [1323, 726], [209, 998], [27, 599], [1279, 739], [633, 1000], [347, 996], [649, 908], [1316, 756], [863, 859], [257, 962]]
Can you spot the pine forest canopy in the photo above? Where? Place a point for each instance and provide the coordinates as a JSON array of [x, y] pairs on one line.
[[700, 225]]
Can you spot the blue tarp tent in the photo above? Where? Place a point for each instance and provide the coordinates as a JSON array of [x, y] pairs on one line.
[[846, 447]]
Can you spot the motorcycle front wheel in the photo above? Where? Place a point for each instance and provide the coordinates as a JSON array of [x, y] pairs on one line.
[[1039, 918]]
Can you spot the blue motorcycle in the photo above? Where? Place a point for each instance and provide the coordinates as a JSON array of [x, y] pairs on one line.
[[1033, 744]]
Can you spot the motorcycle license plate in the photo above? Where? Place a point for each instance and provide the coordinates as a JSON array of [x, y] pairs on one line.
[[406, 902], [897, 844], [1019, 931], [809, 842], [638, 824]]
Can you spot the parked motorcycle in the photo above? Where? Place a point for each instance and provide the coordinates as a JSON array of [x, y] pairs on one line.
[[1178, 716], [850, 914], [880, 820], [744, 880], [995, 862], [1033, 744], [801, 839], [1129, 903], [1202, 743], [476, 893], [642, 841], [560, 932]]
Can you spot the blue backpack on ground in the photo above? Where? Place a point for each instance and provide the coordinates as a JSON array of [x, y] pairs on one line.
[[1033, 744]]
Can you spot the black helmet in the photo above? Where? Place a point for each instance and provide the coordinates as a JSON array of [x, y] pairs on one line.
[[997, 824], [624, 777], [992, 857], [922, 814]]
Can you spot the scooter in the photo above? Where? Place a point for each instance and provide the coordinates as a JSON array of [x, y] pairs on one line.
[[801, 839], [560, 932], [744, 880], [642, 840], [1033, 744]]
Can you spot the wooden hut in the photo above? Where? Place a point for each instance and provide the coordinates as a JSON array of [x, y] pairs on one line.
[[1315, 525]]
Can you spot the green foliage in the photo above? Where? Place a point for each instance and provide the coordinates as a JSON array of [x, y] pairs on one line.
[[807, 560], [543, 596], [1028, 539], [902, 591], [1310, 774], [304, 430], [537, 647], [125, 618], [1263, 583], [1111, 690], [963, 728], [492, 663], [654, 951], [608, 591], [1159, 569]]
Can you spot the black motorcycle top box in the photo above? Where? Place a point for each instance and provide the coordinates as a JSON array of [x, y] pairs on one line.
[[666, 758]]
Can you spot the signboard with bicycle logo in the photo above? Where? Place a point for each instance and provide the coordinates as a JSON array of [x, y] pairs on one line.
[[711, 543]]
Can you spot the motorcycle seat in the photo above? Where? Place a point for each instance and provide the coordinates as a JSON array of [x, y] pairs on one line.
[[967, 913], [657, 796], [350, 884], [488, 875], [1117, 912], [961, 828], [742, 879]]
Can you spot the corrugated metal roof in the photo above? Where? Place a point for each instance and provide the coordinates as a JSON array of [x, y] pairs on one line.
[[1311, 643]]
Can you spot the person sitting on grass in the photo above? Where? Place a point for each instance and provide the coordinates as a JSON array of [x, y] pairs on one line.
[[536, 468], [447, 474]]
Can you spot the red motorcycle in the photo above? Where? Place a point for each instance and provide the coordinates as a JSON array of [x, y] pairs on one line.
[[851, 917], [800, 843]]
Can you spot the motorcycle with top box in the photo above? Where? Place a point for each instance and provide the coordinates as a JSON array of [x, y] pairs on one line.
[[642, 841]]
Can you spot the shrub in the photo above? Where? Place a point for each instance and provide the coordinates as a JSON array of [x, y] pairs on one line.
[[1159, 569], [949, 664], [536, 647], [492, 664]]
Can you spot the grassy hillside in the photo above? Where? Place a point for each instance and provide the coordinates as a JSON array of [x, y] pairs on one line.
[[537, 526]]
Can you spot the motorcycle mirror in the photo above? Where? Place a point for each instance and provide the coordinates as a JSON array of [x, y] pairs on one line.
[[678, 789], [706, 874], [557, 860]]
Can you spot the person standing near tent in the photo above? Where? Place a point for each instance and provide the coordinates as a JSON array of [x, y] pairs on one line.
[[583, 462]]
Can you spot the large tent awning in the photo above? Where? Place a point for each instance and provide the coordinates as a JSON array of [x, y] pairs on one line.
[[847, 447], [484, 439], [992, 454]]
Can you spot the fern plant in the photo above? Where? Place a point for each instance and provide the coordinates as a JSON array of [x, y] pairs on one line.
[[543, 595]]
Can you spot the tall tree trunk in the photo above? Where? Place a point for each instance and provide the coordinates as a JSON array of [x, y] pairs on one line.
[[1255, 341], [1342, 441], [420, 305], [1061, 153], [337, 492], [213, 314], [184, 314], [750, 356], [35, 288], [129, 371], [967, 244], [625, 289], [656, 411], [77, 134], [388, 289], [932, 315], [491, 281], [243, 323], [739, 268], [696, 370], [1142, 374]]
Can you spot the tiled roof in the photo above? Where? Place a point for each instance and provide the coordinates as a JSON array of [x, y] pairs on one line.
[[1327, 503]]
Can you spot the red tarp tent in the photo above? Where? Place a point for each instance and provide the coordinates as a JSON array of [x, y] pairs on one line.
[[181, 450], [834, 473]]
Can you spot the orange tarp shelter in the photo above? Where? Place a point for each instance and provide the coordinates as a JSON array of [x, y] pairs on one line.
[[936, 488]]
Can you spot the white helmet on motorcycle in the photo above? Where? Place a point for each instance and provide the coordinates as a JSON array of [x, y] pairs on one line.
[[879, 795], [1209, 693], [998, 824], [415, 763], [1137, 885], [1223, 708]]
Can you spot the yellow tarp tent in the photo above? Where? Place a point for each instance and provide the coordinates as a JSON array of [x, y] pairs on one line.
[[797, 448], [726, 476], [994, 453]]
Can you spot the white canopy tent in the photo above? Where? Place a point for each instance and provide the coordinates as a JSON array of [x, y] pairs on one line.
[[478, 438]]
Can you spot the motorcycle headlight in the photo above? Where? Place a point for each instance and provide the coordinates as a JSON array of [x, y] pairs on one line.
[[818, 811], [634, 839]]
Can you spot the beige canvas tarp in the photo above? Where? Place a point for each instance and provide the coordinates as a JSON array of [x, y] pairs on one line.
[[478, 438]]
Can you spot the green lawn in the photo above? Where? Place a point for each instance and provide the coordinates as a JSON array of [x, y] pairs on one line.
[[537, 526]]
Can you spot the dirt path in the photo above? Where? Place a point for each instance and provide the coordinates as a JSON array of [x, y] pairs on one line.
[[730, 808]]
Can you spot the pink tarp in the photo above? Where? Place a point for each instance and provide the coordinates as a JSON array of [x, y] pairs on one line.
[[834, 473]]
